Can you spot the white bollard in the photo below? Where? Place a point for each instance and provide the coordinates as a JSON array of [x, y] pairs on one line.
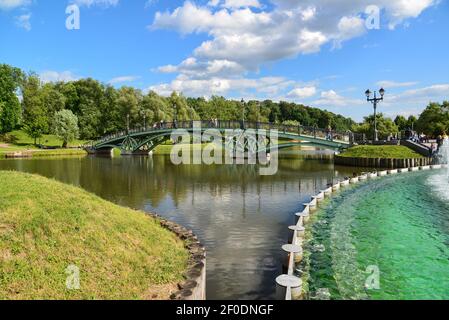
[[303, 216], [336, 187], [372, 175], [319, 197], [288, 284], [294, 250], [354, 180], [363, 177], [413, 169], [394, 171], [327, 192], [424, 168], [382, 173], [344, 183], [436, 166], [300, 233]]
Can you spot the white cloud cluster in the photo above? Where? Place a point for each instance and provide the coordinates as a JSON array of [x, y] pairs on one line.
[[24, 21], [89, 3], [247, 34], [55, 76], [12, 4], [221, 86], [123, 79]]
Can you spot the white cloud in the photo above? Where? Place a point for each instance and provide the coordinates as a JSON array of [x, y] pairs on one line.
[[194, 68], [394, 84], [23, 21], [89, 3], [245, 35], [301, 93], [55, 76], [123, 79], [12, 4], [235, 4], [222, 86], [333, 99], [436, 92]]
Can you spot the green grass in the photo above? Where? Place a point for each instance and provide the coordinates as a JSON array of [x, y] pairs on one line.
[[18, 141], [45, 226], [21, 139], [385, 152]]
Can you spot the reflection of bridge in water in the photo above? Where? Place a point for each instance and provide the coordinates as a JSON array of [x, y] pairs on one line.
[[144, 140]]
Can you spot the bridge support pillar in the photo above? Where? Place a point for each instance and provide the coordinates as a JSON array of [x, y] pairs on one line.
[[103, 152]]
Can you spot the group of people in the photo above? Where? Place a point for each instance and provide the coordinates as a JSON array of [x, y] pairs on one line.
[[329, 135], [435, 147]]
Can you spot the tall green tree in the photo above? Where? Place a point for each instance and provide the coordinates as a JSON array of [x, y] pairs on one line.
[[65, 126], [35, 115], [53, 100], [90, 95], [10, 113], [401, 122], [434, 120]]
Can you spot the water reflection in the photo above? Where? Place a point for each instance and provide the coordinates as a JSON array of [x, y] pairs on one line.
[[241, 217]]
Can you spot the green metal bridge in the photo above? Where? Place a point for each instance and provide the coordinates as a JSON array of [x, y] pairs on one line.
[[144, 140]]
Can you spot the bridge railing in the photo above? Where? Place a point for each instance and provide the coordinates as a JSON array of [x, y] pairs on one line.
[[308, 131]]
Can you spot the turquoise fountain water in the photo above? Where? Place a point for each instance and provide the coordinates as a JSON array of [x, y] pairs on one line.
[[385, 239]]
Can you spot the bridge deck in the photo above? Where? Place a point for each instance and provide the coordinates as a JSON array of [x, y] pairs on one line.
[[159, 133]]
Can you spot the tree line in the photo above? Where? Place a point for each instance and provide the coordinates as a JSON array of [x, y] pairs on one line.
[[88, 109]]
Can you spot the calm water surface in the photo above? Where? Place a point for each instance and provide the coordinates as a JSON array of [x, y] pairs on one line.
[[241, 217]]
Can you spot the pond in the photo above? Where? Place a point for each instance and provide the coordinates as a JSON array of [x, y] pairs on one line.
[[240, 216]]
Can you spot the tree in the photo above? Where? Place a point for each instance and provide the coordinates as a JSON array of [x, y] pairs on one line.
[[65, 126], [10, 112], [90, 95], [35, 116], [411, 122], [401, 122], [53, 100], [434, 121], [385, 126]]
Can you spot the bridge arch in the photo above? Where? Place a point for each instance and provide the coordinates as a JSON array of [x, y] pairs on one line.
[[134, 141]]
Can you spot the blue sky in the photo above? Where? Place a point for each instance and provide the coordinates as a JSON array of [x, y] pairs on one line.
[[317, 52]]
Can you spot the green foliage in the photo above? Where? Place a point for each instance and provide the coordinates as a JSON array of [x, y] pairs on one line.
[[102, 109], [434, 121], [401, 123], [65, 126], [10, 111], [385, 126], [291, 123], [35, 116]]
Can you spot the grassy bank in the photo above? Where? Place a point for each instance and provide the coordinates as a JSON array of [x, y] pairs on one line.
[[20, 139], [385, 152], [46, 153], [45, 226], [19, 142]]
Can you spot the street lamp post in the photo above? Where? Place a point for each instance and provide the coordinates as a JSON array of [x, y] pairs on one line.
[[375, 101]]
